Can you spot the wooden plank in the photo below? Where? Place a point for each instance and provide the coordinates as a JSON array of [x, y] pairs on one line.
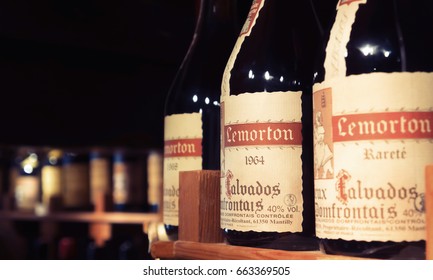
[[199, 206], [106, 217], [162, 250], [220, 251]]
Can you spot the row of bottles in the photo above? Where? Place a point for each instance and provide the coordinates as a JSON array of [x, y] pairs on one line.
[[36, 179], [124, 245], [71, 241], [324, 126]]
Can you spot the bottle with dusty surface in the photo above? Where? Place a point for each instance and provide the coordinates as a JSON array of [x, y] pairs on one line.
[[267, 195], [192, 108], [373, 135]]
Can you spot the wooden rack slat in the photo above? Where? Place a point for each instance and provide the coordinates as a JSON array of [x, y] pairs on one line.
[[221, 251], [97, 217]]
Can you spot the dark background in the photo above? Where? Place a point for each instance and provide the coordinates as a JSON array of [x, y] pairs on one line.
[[89, 72], [92, 72]]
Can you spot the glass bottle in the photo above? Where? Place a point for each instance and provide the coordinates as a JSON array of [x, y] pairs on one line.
[[76, 180], [28, 182], [5, 162], [192, 109], [372, 116], [51, 176], [154, 181], [128, 180], [100, 173], [267, 195]]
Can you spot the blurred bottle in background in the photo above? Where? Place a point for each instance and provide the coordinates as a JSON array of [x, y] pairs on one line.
[[67, 248], [128, 180], [76, 182], [51, 176], [100, 166], [154, 180], [28, 182], [4, 172]]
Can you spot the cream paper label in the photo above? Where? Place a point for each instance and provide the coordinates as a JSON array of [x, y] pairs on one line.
[[100, 179], [27, 192], [154, 178], [253, 14], [183, 134], [372, 140], [261, 185], [261, 146], [76, 191], [122, 182], [335, 62], [373, 137], [51, 177]]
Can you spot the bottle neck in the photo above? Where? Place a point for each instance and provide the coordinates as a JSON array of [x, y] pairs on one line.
[[212, 13]]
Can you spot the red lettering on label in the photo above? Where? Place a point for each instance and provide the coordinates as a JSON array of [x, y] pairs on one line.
[[263, 134], [252, 15], [183, 148], [348, 2], [381, 126]]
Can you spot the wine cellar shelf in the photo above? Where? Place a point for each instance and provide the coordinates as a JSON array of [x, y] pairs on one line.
[[84, 217], [199, 214], [99, 227], [221, 251]]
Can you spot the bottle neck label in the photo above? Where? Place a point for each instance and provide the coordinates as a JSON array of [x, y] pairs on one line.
[[373, 137], [256, 6], [183, 134], [335, 61], [261, 167]]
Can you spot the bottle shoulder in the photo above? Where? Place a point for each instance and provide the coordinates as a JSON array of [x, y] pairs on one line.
[[376, 44], [276, 54], [197, 84], [385, 38]]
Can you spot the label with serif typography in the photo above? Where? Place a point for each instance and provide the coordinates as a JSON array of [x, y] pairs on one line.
[[261, 167], [373, 137], [183, 134]]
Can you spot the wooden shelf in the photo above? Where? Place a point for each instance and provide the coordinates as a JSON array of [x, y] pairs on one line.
[[85, 217], [221, 251]]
